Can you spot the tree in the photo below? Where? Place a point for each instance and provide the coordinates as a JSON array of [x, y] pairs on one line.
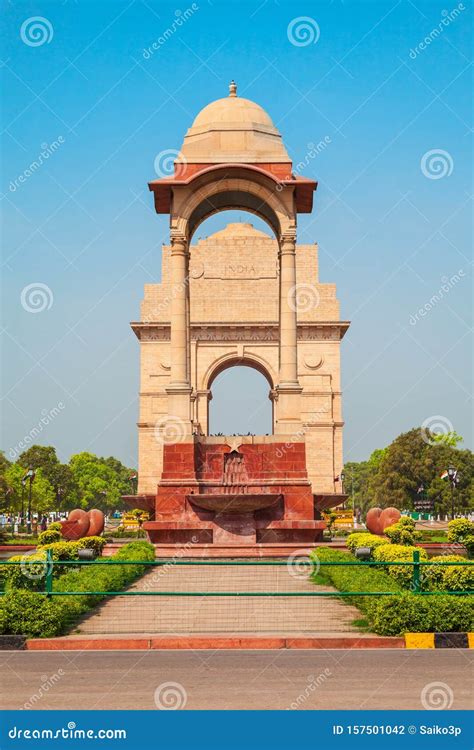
[[5, 490], [59, 475], [393, 476], [100, 481], [42, 492], [358, 480]]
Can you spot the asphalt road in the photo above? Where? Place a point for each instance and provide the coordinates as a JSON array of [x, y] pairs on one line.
[[302, 680]]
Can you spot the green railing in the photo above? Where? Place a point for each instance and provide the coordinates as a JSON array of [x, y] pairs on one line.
[[416, 582]]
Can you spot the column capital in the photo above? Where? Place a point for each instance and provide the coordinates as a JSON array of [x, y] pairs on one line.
[[179, 243], [288, 242]]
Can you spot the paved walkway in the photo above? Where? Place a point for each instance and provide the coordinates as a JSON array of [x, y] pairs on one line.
[[190, 615]]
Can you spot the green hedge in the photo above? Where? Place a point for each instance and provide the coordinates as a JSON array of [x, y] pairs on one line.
[[448, 578], [461, 530], [33, 614], [49, 536], [401, 613], [398, 553]]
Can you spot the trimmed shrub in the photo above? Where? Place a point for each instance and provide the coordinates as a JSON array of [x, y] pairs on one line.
[[402, 612], [32, 614], [459, 578], [433, 575], [403, 532], [55, 526], [364, 539], [49, 537], [30, 575], [461, 530], [398, 553], [96, 543], [61, 551], [412, 613]]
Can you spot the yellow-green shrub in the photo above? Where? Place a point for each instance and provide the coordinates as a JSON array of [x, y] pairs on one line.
[[96, 543], [49, 537], [433, 575], [398, 553]]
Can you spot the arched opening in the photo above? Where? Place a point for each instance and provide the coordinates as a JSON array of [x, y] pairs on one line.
[[240, 401], [222, 218], [230, 200]]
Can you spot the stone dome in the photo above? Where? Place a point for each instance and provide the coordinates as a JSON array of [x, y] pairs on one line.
[[234, 130]]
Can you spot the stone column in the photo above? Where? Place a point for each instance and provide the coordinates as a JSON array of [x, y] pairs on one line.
[[288, 350], [179, 335], [288, 421], [179, 389]]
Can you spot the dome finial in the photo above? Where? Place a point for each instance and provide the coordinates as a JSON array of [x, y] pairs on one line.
[[232, 88]]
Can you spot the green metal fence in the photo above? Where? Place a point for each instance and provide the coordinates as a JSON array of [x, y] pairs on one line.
[[312, 566], [193, 596]]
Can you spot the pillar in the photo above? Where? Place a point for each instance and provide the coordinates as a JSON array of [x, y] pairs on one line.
[[179, 388], [288, 389], [288, 352]]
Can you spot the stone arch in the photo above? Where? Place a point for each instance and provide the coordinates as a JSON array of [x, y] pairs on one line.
[[241, 188], [251, 360], [232, 360]]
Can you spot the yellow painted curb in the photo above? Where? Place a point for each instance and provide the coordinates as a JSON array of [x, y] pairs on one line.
[[419, 640], [470, 640]]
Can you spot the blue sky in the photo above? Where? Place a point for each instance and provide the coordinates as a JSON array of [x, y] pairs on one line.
[[392, 219]]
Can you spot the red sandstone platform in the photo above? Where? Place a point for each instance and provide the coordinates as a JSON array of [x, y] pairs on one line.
[[246, 496], [214, 642], [224, 551]]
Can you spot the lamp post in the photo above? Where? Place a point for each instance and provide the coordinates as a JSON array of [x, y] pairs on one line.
[[343, 476], [452, 476], [29, 476], [134, 482], [22, 514]]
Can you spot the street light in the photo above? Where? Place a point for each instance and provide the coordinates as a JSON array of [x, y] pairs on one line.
[[453, 478], [23, 482], [29, 476], [343, 476], [133, 478]]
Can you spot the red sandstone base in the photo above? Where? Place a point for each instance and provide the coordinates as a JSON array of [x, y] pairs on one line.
[[210, 495]]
